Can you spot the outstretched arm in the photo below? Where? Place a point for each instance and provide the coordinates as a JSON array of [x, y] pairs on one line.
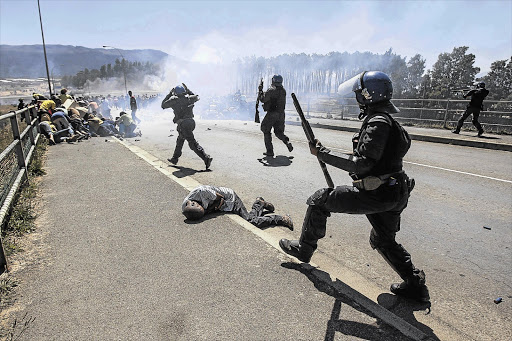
[[369, 150]]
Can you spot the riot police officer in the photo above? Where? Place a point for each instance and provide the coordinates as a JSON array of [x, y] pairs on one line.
[[380, 187], [182, 100], [274, 102], [474, 107]]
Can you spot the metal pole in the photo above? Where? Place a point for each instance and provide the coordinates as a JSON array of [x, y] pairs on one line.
[[44, 49]]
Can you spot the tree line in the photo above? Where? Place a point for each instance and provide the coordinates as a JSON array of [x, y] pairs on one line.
[[134, 71], [321, 74]]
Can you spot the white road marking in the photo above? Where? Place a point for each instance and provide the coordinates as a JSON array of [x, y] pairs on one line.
[[460, 172]]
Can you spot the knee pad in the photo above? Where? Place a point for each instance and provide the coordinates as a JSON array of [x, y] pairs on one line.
[[319, 197]]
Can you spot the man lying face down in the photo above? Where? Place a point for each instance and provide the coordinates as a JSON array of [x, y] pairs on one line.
[[207, 199]]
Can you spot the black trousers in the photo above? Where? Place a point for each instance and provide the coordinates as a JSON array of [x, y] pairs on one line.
[[470, 111], [186, 133], [273, 120], [382, 208], [255, 216]]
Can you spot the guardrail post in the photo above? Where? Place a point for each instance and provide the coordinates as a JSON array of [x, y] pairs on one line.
[[28, 119], [446, 113], [19, 147], [33, 115]]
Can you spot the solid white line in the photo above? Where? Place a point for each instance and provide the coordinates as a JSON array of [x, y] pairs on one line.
[[460, 172]]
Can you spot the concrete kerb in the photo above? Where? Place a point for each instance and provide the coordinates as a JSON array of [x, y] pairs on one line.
[[422, 137], [272, 237]]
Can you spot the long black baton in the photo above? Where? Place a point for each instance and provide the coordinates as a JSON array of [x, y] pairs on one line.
[[311, 138]]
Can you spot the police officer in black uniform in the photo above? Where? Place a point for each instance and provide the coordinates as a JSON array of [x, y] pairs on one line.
[[380, 188], [474, 107], [182, 100], [274, 102], [21, 104]]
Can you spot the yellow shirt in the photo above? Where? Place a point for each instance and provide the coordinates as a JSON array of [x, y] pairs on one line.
[[47, 105]]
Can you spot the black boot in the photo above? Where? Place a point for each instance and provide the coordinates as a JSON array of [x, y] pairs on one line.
[[302, 252], [208, 162], [413, 288]]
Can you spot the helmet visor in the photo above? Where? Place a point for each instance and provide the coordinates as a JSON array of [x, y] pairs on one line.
[[347, 88]]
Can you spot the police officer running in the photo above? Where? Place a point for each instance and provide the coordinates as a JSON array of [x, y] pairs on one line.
[[474, 107], [380, 188], [182, 100], [274, 102]]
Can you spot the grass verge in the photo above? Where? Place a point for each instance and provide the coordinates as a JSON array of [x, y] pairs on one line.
[[22, 216], [20, 222]]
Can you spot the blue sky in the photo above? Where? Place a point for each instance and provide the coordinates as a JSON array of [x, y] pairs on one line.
[[217, 31]]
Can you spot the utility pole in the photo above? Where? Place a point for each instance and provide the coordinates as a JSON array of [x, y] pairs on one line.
[[44, 49]]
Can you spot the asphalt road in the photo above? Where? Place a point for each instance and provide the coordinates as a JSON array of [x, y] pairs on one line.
[[457, 225]]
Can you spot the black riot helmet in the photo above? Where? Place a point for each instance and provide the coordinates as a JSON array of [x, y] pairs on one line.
[[179, 90], [480, 85], [277, 80], [372, 88]]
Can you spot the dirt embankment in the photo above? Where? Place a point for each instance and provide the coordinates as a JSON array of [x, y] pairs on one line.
[[4, 109]]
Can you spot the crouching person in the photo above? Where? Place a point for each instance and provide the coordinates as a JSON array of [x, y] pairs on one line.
[[126, 125], [52, 134], [101, 127], [208, 199]]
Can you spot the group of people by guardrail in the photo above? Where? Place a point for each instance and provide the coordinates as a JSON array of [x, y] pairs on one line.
[[65, 118]]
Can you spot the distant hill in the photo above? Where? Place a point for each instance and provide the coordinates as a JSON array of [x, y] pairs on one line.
[[27, 61]]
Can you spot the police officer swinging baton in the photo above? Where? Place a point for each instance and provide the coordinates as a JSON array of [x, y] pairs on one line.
[[311, 138]]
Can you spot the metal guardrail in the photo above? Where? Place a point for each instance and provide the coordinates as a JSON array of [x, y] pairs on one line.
[[428, 112], [14, 160]]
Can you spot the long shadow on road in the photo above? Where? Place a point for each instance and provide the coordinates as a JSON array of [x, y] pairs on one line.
[[343, 294], [183, 172]]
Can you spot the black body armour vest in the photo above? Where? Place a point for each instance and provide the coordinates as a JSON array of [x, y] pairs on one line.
[[277, 102], [397, 145]]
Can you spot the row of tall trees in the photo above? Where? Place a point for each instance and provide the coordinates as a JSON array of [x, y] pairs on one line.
[[134, 71], [321, 74]]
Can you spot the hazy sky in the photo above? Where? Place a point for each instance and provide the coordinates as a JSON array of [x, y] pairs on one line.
[[215, 31]]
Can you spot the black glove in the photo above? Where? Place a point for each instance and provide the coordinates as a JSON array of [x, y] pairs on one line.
[[315, 147]]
